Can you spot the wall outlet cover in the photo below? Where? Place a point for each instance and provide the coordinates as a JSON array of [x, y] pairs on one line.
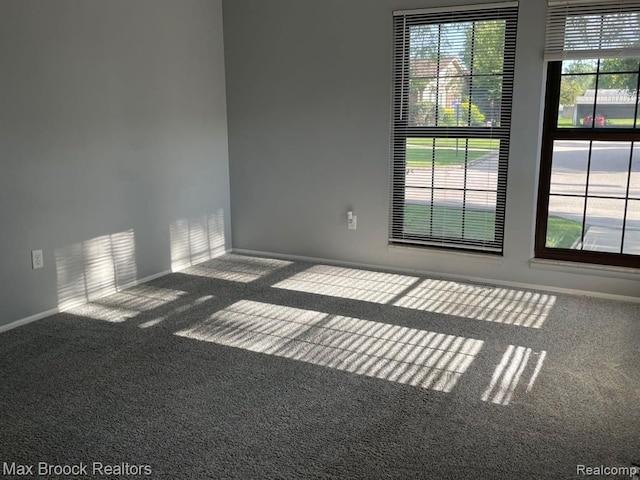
[[37, 259]]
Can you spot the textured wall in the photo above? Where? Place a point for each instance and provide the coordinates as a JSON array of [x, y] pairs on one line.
[[113, 143]]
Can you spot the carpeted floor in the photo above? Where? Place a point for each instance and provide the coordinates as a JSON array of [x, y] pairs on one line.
[[244, 367]]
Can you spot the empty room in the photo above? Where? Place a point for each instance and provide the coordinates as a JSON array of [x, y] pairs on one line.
[[304, 239]]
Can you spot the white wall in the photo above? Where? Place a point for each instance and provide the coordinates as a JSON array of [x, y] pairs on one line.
[[113, 145], [309, 94]]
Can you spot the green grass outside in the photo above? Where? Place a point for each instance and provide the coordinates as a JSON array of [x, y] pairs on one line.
[[422, 157], [610, 122], [620, 122], [448, 222], [563, 233], [447, 153]]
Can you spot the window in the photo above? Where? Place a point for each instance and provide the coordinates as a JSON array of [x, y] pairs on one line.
[[453, 83], [589, 198]]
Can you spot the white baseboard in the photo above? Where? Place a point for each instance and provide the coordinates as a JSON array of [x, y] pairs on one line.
[[25, 321], [444, 276], [144, 280], [301, 258], [183, 264], [53, 311]]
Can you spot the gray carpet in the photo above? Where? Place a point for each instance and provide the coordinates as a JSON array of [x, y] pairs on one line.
[[249, 368]]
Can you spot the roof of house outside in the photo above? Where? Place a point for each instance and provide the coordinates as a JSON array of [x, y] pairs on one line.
[[607, 96], [427, 68]]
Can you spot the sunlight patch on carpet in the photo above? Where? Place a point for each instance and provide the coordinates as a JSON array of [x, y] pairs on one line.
[[350, 283], [178, 310], [517, 363], [128, 304], [237, 268], [493, 304], [101, 312], [140, 298], [390, 352]]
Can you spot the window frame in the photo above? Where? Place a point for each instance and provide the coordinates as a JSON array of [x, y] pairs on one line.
[[550, 133], [401, 130]]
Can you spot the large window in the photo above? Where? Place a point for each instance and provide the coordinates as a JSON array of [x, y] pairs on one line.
[[453, 83], [589, 199]]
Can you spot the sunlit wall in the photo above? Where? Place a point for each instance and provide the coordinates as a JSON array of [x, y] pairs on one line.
[[95, 268], [194, 240], [113, 120]]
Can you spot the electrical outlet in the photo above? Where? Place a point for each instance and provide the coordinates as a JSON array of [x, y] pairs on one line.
[[352, 221], [37, 259]]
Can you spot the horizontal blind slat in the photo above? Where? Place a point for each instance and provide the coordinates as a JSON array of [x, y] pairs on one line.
[[592, 29], [455, 9]]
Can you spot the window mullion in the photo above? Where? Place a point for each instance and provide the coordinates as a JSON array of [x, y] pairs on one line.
[[626, 198], [552, 100], [586, 196]]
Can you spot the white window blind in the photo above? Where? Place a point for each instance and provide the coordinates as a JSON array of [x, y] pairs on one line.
[[453, 85], [581, 29]]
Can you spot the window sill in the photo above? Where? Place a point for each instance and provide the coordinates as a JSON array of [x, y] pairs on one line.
[[585, 268], [466, 255]]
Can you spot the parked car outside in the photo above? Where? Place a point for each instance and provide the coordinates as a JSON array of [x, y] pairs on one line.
[[600, 121]]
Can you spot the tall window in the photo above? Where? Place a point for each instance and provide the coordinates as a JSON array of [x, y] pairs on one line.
[[453, 83], [589, 199]]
